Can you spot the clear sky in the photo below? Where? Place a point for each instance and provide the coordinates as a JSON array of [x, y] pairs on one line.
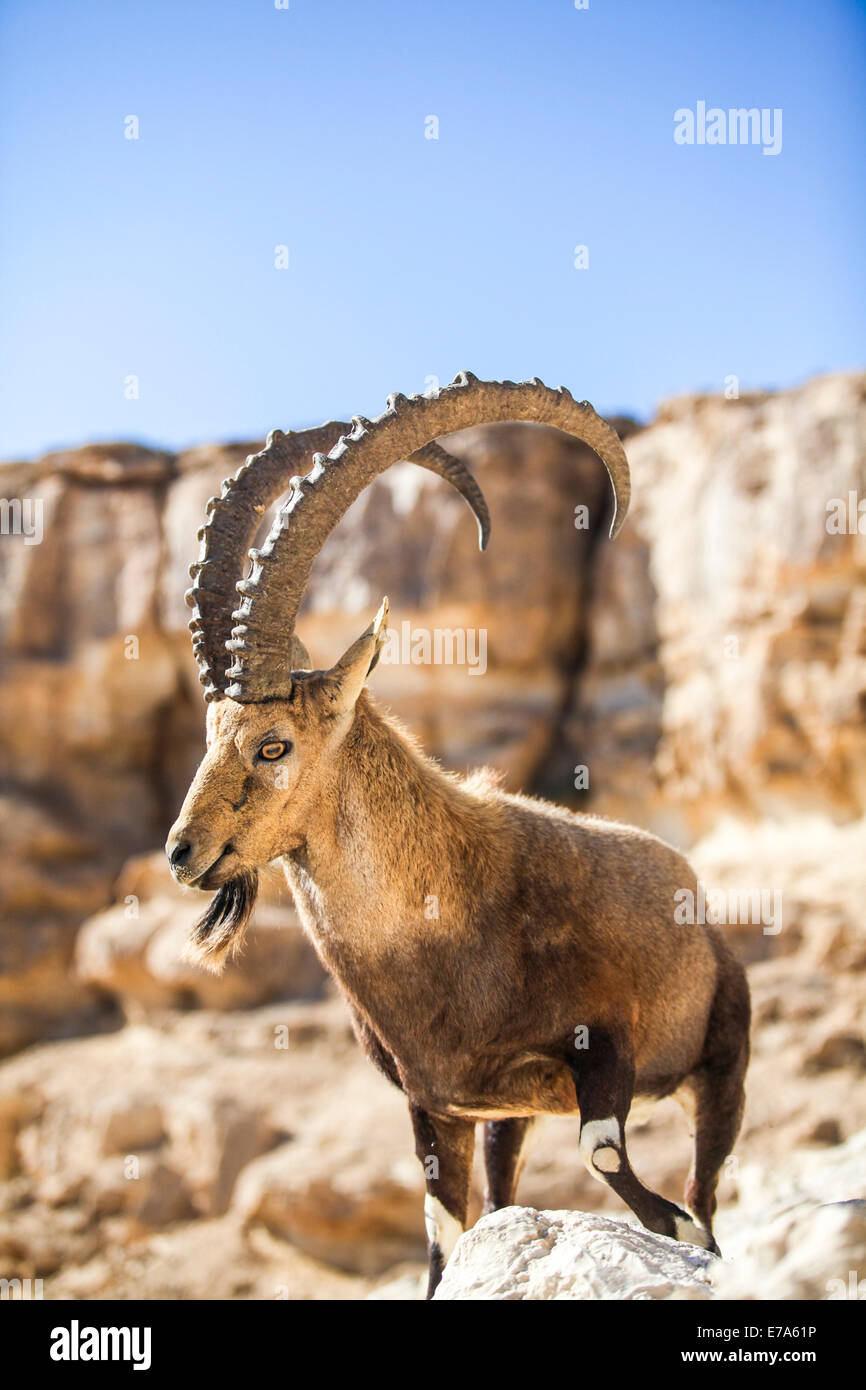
[[410, 258]]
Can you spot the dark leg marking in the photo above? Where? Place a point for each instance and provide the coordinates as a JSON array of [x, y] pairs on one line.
[[604, 1082], [445, 1147], [503, 1154]]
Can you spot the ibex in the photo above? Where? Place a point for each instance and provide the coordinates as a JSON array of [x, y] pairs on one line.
[[553, 929]]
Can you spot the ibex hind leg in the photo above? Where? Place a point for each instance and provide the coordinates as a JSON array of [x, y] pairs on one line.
[[604, 1082], [717, 1089], [504, 1153]]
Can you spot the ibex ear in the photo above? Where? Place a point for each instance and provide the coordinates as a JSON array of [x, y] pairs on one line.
[[346, 679]]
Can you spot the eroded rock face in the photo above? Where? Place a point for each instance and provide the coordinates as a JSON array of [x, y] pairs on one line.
[[708, 671], [358, 1211], [265, 1127], [730, 630]]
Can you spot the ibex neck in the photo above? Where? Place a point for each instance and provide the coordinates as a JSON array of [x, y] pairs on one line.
[[394, 839]]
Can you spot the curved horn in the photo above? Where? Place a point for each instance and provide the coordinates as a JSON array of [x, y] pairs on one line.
[[235, 517], [272, 595]]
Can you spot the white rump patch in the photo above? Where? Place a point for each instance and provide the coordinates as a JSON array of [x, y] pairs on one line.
[[604, 1135], [443, 1229]]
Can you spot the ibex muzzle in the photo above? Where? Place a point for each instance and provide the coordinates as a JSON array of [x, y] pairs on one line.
[[501, 957]]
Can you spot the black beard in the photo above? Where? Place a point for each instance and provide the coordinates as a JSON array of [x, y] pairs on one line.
[[219, 934]]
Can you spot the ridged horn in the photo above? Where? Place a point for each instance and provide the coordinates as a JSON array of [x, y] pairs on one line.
[[272, 594], [234, 518]]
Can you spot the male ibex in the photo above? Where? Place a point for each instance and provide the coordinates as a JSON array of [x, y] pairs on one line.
[[548, 922]]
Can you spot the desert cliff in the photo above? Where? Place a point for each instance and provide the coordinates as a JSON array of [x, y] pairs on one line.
[[167, 1132]]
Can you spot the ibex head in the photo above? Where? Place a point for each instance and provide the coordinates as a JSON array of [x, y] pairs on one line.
[[266, 767], [274, 724]]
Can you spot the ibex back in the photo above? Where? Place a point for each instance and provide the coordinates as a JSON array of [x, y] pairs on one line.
[[502, 957]]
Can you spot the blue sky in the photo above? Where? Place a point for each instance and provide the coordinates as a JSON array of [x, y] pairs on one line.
[[411, 258]]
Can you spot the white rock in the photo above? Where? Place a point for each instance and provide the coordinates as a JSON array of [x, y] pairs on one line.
[[518, 1253]]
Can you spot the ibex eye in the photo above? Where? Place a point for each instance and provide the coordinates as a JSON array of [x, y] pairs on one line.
[[271, 751]]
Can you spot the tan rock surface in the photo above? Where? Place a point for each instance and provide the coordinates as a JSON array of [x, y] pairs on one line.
[[708, 669], [736, 601]]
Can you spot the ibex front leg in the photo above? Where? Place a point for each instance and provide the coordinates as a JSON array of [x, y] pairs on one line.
[[604, 1080], [445, 1148]]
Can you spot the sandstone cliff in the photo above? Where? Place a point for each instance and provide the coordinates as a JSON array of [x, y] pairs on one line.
[[708, 674]]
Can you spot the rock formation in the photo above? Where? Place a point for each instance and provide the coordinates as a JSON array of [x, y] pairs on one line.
[[705, 676]]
